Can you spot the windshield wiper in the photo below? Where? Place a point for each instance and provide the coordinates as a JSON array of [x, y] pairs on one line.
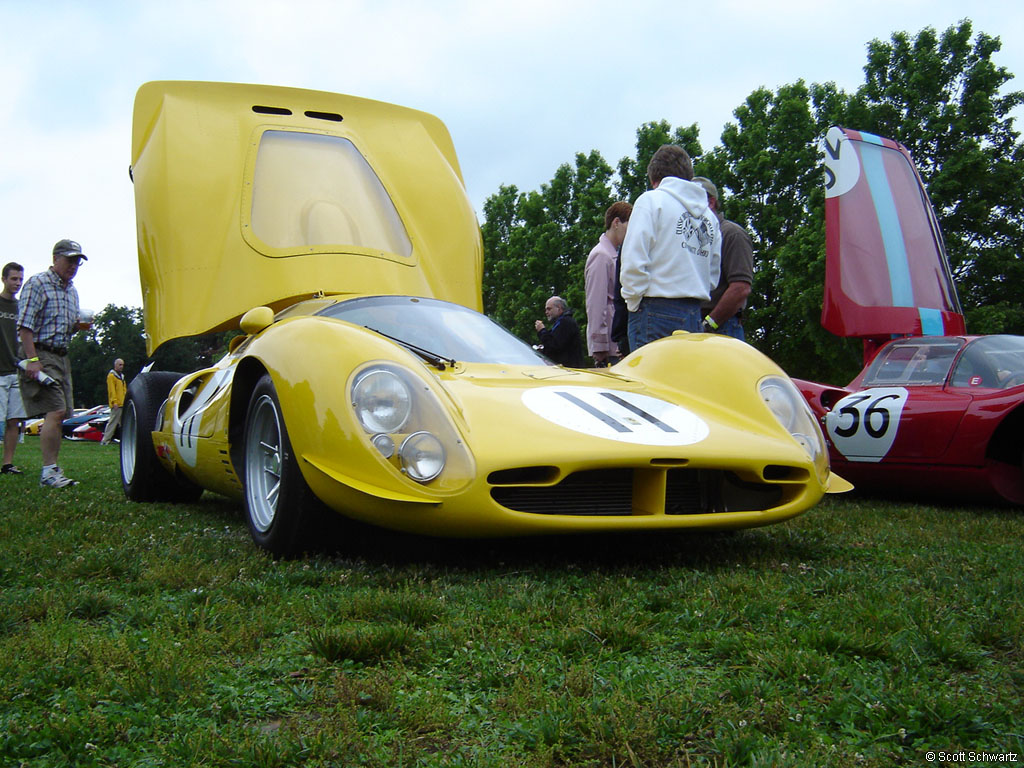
[[433, 358]]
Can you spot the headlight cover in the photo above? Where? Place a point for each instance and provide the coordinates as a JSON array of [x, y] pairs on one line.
[[789, 407], [382, 401], [422, 456], [407, 426]]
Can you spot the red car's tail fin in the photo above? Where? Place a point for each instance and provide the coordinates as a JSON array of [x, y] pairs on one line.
[[886, 272]]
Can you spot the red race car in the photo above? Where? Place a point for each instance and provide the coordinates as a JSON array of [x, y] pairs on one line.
[[934, 412]]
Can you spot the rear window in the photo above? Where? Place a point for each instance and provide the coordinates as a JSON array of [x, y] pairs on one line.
[[920, 361], [315, 191]]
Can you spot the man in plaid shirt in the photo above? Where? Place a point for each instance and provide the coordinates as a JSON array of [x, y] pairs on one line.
[[48, 316]]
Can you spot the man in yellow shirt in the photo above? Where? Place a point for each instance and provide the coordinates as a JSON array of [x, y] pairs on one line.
[[116, 389]]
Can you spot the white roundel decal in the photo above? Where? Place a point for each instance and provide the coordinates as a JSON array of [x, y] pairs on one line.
[[624, 416], [842, 166], [863, 425]]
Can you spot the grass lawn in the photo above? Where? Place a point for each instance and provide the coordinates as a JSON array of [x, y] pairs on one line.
[[863, 633]]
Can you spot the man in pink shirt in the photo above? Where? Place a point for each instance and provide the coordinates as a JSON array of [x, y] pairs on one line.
[[599, 276]]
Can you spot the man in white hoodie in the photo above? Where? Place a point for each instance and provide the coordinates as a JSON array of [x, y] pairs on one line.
[[672, 254]]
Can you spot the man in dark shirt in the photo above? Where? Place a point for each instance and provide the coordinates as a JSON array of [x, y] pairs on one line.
[[561, 342], [12, 412], [724, 312]]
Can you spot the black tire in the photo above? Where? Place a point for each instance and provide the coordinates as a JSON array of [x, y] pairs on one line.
[[283, 514], [143, 477]]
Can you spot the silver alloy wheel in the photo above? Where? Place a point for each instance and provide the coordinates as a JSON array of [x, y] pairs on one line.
[[129, 444], [263, 463]]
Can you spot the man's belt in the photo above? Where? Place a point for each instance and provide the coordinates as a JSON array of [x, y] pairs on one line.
[[54, 350]]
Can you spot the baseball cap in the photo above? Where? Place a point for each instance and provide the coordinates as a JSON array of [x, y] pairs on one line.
[[708, 185], [69, 248]]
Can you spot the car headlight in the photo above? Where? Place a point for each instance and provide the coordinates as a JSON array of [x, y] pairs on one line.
[[408, 426], [382, 401], [422, 456], [789, 407]]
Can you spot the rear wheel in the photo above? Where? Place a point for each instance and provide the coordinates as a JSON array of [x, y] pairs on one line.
[[143, 477], [282, 512]]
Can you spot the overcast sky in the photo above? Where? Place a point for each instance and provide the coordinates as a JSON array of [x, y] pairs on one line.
[[522, 85]]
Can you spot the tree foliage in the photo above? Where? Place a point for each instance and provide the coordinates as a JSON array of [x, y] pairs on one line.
[[939, 95], [117, 332], [536, 243], [942, 96]]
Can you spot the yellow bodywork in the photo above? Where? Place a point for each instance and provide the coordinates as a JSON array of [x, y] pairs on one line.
[[214, 243], [511, 450], [278, 210]]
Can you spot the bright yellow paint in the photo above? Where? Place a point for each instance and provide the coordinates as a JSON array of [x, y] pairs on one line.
[[195, 148], [217, 250]]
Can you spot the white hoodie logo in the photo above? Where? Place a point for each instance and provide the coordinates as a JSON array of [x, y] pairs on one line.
[[697, 234]]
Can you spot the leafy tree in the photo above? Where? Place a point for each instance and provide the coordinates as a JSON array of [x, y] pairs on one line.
[[536, 244], [117, 332], [768, 172], [192, 352], [940, 95], [632, 181]]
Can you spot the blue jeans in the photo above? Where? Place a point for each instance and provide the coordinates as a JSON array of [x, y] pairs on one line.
[[733, 327], [656, 318]]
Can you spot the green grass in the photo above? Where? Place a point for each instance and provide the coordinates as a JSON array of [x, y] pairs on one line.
[[863, 633]]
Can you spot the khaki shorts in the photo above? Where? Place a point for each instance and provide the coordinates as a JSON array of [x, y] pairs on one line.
[[40, 399], [11, 406]]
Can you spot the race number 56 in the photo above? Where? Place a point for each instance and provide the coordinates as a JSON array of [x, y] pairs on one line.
[[864, 425]]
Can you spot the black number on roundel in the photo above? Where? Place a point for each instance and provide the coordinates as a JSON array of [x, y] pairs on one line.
[[851, 410]]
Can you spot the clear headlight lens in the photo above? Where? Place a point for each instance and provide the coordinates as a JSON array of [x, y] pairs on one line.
[[382, 401], [385, 445], [422, 456], [408, 426], [789, 407]]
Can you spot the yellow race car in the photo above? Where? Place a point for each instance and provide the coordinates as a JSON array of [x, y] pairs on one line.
[[336, 233]]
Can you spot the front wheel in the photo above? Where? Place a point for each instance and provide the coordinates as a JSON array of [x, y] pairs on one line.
[[143, 477], [281, 510]]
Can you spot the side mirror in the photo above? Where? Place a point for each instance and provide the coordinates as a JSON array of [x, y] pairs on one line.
[[256, 319]]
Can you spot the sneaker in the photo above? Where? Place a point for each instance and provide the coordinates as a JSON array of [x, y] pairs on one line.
[[10, 469], [56, 479]]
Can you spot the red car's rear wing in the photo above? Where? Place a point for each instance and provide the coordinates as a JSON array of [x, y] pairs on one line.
[[886, 271]]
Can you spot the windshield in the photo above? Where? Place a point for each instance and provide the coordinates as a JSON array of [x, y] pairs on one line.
[[991, 361], [446, 330], [919, 361]]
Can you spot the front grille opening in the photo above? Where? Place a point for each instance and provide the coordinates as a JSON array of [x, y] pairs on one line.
[[780, 472], [334, 117], [691, 492], [669, 462], [524, 476], [591, 492], [260, 110], [610, 492], [741, 496]]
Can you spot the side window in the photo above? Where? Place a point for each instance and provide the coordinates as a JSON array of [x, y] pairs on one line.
[[314, 191]]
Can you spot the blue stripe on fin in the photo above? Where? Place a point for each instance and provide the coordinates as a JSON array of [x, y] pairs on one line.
[[889, 223], [931, 322]]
